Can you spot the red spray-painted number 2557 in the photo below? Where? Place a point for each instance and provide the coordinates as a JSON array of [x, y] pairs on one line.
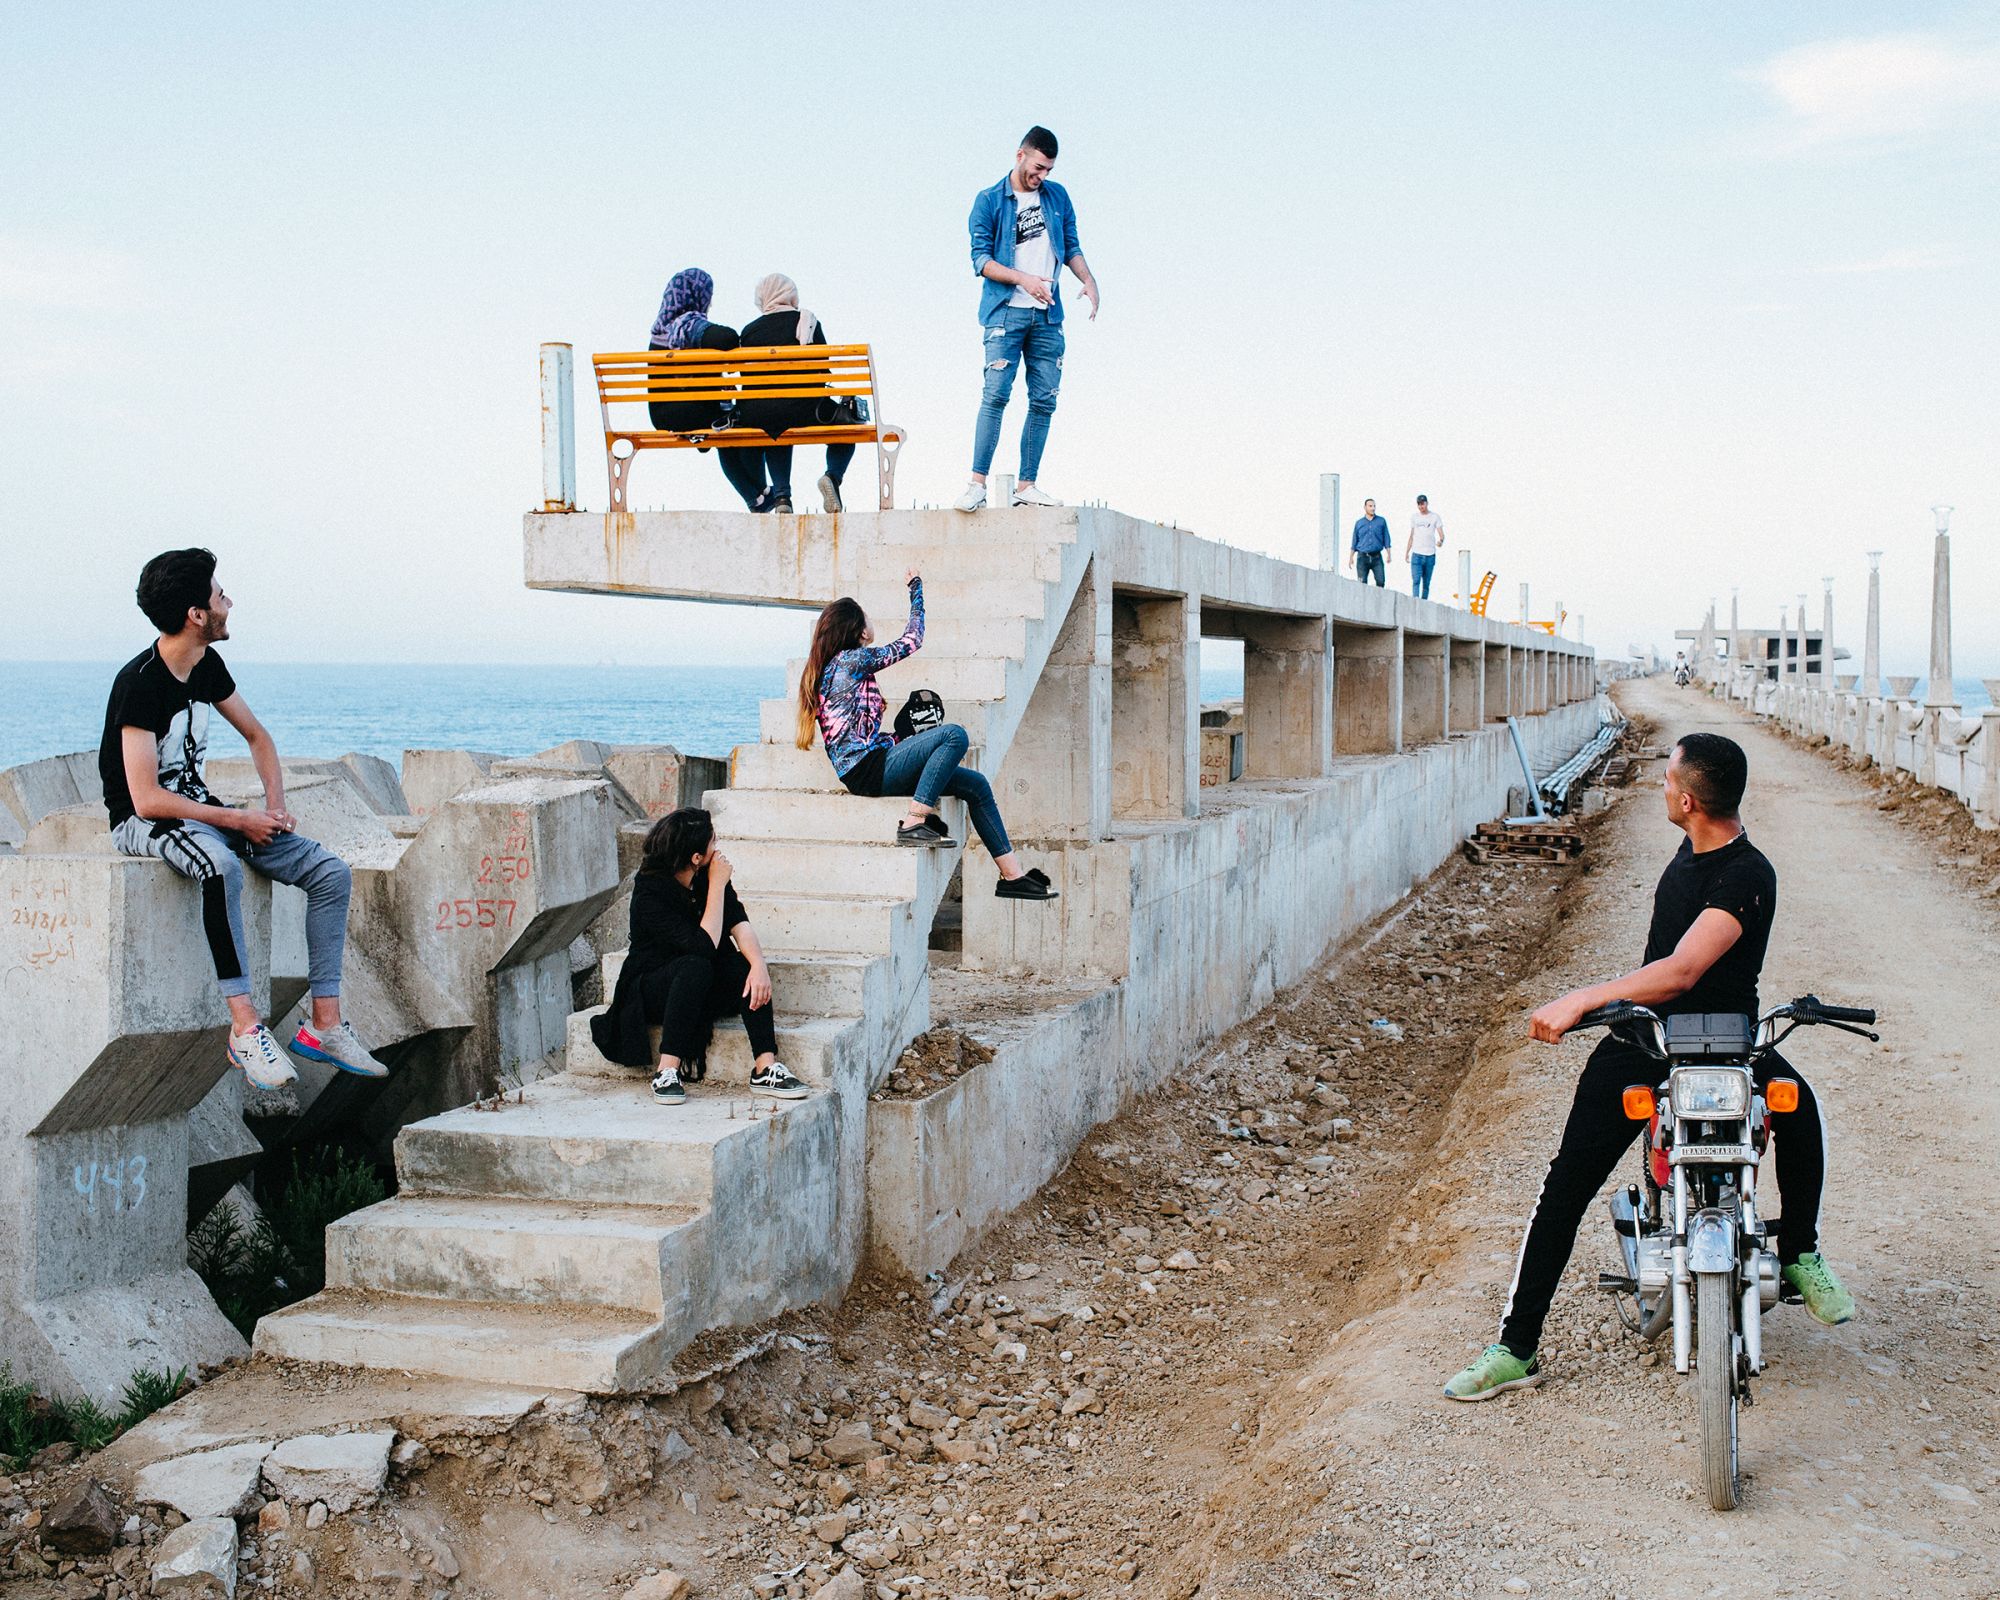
[[475, 914]]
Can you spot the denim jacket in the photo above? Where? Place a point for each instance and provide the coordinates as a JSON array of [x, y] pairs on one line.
[[992, 228]]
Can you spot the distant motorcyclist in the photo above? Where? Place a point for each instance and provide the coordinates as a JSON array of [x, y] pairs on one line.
[[1712, 916]]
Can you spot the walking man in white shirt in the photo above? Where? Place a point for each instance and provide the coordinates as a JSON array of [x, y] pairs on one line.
[[1421, 548]]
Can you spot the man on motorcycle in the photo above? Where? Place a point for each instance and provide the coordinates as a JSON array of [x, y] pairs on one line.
[[1711, 921]]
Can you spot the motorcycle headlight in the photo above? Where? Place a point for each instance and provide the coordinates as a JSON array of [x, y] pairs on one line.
[[1709, 1094]]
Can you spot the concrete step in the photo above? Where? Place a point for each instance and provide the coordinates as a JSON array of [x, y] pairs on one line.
[[875, 867], [776, 719], [809, 1045], [807, 983], [533, 1252], [955, 677], [742, 815], [782, 766], [838, 922], [596, 1350], [598, 1139]]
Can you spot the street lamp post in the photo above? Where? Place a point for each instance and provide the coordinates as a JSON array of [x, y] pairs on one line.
[[1871, 644]]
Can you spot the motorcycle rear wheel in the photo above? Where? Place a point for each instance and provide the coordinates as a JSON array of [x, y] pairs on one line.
[[1715, 1385]]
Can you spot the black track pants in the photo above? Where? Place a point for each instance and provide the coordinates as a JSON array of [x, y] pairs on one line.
[[1598, 1133], [684, 996]]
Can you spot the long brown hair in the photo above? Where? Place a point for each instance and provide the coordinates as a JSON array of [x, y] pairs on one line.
[[839, 628]]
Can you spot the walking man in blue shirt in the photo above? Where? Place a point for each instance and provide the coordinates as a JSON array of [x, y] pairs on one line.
[[1023, 234], [1371, 538]]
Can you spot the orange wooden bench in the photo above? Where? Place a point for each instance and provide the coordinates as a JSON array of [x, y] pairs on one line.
[[827, 372]]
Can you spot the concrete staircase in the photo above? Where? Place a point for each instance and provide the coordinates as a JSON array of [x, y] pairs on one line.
[[583, 1235]]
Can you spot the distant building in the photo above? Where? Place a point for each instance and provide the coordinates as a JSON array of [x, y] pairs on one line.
[[1763, 648]]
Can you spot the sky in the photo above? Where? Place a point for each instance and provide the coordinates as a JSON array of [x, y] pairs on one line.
[[1652, 302]]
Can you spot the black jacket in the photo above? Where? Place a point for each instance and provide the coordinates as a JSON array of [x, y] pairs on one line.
[[775, 416], [690, 416], [666, 925]]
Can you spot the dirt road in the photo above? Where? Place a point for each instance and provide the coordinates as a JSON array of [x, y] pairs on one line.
[[1870, 1451]]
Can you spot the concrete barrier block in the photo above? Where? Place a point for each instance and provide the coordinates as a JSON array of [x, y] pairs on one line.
[[79, 830], [431, 777], [35, 788]]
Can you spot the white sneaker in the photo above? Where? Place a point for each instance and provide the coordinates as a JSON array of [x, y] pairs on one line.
[[1029, 495], [973, 498], [829, 493], [263, 1065]]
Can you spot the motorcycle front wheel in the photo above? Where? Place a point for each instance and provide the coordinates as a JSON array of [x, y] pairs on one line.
[[1715, 1385]]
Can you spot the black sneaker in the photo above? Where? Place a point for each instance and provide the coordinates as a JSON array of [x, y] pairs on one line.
[[781, 506], [1031, 885], [667, 1088], [930, 832], [776, 1082]]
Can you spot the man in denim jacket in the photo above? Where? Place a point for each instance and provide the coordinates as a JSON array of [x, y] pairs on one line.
[[1023, 234]]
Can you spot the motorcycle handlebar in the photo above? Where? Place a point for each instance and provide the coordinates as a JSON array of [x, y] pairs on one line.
[[1609, 1016], [1810, 1008]]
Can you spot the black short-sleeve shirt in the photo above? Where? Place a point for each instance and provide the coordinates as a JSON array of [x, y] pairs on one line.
[[1739, 879], [666, 919], [146, 695]]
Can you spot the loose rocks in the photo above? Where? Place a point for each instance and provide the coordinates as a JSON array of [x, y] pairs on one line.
[[83, 1523], [208, 1483], [197, 1558]]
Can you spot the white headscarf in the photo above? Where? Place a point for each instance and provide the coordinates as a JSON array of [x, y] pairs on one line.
[[778, 293]]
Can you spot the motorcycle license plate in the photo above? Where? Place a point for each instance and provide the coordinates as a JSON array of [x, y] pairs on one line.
[[1712, 1155]]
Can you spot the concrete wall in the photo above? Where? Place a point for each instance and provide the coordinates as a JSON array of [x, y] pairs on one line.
[[1198, 924]]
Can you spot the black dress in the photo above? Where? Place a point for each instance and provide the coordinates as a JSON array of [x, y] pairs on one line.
[[675, 977]]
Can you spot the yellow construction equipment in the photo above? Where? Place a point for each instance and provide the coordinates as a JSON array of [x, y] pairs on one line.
[[1478, 606]]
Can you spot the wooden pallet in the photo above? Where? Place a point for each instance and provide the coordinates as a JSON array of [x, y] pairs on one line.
[[1555, 840]]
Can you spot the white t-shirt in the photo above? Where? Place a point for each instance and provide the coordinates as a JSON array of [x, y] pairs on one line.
[[1426, 533], [1034, 250]]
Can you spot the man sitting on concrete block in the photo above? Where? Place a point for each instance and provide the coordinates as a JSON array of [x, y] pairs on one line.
[[150, 759]]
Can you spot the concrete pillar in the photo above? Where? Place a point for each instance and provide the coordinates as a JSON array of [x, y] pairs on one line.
[[1367, 689], [1497, 690], [1331, 544], [1464, 579], [1468, 685], [1826, 634], [1870, 686], [1426, 685], [1986, 810], [1524, 605], [1735, 634], [1939, 692], [1287, 698], [1155, 705], [558, 429], [1056, 781]]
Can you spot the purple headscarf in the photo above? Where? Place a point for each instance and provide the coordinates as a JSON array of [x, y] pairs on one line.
[[683, 310]]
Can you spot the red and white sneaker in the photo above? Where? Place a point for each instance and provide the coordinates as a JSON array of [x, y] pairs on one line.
[[337, 1047]]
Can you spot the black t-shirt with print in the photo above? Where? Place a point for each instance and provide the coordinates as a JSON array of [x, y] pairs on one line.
[[1739, 879], [146, 695]]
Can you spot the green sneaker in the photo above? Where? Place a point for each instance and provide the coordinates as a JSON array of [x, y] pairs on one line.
[[1826, 1297], [1497, 1370]]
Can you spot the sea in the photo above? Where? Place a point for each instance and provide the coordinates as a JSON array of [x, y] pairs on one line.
[[53, 707]]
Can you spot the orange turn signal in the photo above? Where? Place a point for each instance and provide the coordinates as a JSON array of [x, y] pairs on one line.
[[1639, 1102], [1781, 1094]]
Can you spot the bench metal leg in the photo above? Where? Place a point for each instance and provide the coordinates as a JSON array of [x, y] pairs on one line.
[[887, 443], [620, 470]]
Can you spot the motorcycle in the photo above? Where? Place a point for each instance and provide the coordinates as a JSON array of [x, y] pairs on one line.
[[1699, 1256], [1682, 677]]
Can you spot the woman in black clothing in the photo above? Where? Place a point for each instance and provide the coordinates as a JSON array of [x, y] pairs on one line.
[[683, 325], [680, 974], [782, 322]]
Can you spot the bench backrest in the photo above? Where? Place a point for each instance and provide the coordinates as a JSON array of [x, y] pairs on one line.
[[773, 372]]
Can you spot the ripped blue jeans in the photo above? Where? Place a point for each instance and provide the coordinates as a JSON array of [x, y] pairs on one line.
[[1021, 331]]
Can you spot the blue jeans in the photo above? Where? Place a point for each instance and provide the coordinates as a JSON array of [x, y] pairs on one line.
[[1421, 568], [1021, 331], [215, 860], [927, 766], [1369, 567]]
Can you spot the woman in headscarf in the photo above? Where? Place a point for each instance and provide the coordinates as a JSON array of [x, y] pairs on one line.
[[782, 322], [683, 325]]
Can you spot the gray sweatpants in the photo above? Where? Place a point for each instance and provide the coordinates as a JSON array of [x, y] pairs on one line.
[[215, 860]]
